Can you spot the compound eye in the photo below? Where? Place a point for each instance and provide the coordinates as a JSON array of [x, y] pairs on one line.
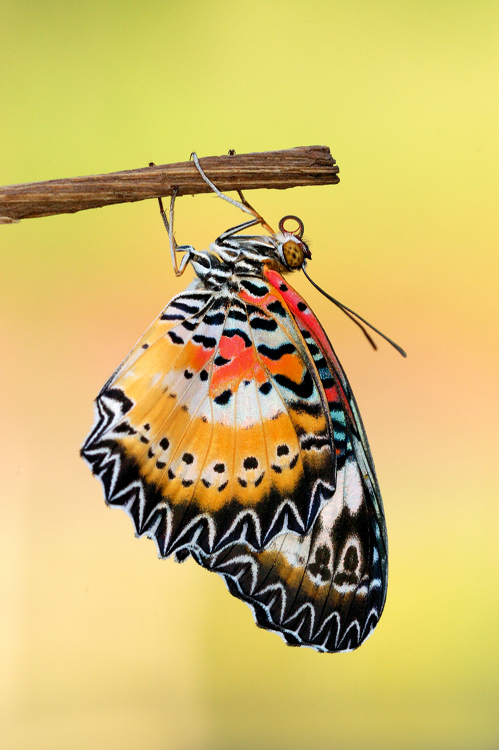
[[293, 254]]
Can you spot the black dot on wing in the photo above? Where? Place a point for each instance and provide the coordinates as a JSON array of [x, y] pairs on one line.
[[265, 388], [124, 427], [219, 468], [319, 566], [351, 559], [276, 308], [203, 375], [250, 462], [224, 397], [301, 306], [282, 450], [175, 338], [187, 458], [283, 288], [164, 443], [187, 374], [145, 346], [147, 426], [221, 361]]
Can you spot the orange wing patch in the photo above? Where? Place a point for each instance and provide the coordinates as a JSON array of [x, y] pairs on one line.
[[221, 421]]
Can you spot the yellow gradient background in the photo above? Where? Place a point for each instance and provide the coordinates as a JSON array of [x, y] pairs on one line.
[[101, 644]]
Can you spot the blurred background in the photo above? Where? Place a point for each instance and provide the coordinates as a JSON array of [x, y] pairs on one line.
[[101, 644]]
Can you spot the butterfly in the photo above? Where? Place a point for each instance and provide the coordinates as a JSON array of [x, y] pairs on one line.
[[230, 434]]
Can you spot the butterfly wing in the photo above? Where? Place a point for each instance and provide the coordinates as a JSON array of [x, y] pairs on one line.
[[214, 430], [325, 589]]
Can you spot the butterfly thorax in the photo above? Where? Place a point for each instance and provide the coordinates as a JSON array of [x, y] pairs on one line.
[[230, 259]]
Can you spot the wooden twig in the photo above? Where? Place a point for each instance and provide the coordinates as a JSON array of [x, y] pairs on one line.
[[311, 165]]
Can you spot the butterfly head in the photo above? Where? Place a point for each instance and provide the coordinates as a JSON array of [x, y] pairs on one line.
[[291, 249]]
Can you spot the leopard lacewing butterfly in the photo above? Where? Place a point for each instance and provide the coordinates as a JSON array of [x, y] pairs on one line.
[[230, 434]]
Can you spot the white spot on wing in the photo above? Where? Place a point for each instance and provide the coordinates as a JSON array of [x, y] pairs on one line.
[[270, 404], [293, 548], [353, 492], [248, 413]]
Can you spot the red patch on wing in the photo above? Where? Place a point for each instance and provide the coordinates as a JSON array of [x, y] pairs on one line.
[[302, 312], [242, 364]]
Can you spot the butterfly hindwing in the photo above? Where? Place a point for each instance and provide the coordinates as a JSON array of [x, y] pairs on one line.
[[213, 430]]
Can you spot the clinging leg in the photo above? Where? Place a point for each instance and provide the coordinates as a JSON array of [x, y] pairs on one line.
[[244, 205], [174, 248]]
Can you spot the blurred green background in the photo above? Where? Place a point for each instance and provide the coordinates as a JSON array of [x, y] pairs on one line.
[[102, 645]]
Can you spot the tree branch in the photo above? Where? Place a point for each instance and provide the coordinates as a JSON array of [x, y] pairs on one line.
[[307, 165]]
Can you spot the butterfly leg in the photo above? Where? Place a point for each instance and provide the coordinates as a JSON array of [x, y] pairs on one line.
[[174, 248], [254, 212], [234, 230], [243, 205]]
